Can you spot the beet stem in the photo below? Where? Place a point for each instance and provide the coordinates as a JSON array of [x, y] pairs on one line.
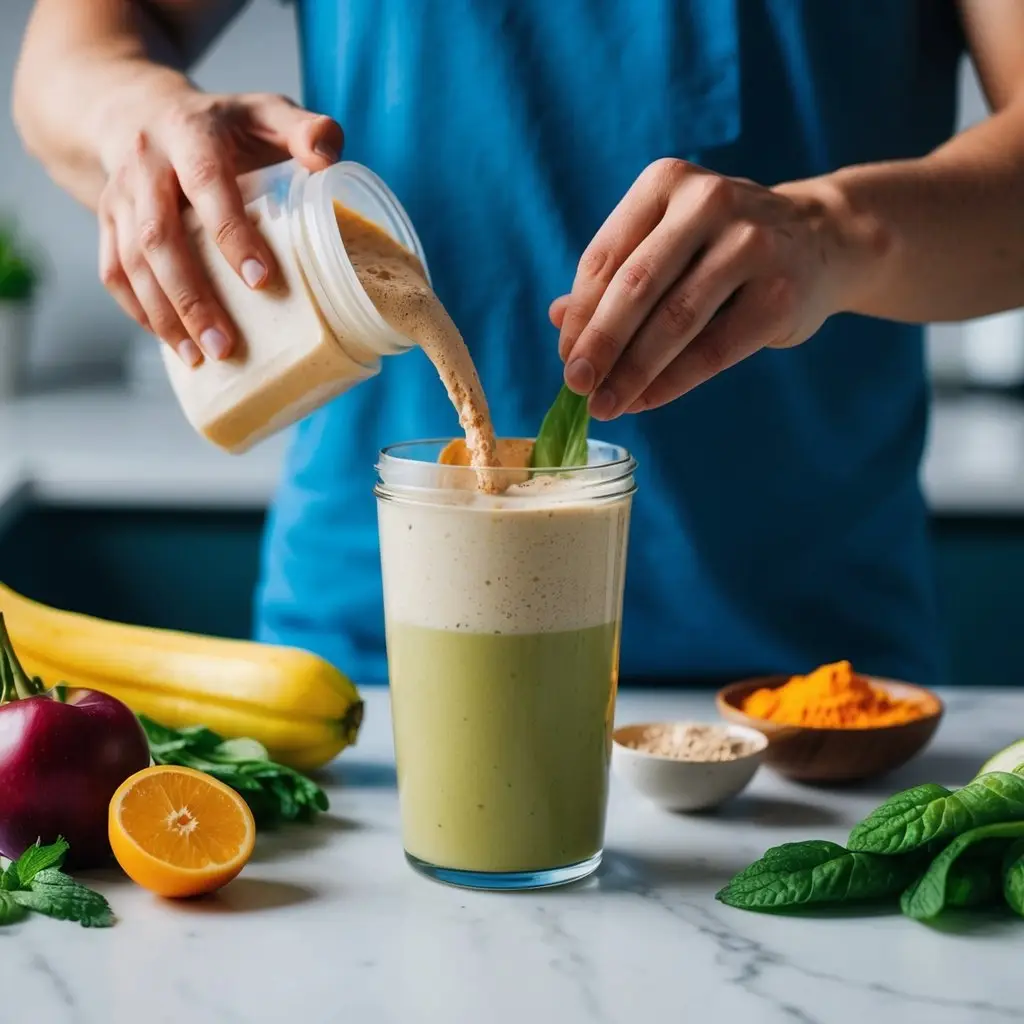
[[15, 675]]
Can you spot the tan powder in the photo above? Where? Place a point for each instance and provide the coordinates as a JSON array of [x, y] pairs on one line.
[[394, 280], [684, 742]]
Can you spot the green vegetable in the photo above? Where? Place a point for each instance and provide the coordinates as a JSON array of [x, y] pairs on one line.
[[1013, 877], [817, 872], [562, 439], [926, 814], [18, 275], [35, 882], [927, 897], [975, 879], [274, 792]]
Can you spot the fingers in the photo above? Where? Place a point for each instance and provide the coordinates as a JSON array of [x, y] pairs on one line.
[[680, 315], [744, 328], [157, 310], [162, 239], [635, 217], [206, 175], [556, 311], [314, 140], [112, 274], [637, 289]]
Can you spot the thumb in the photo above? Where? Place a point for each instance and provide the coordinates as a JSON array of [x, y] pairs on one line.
[[314, 140]]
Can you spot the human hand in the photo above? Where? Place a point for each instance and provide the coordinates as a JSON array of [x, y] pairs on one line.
[[191, 151], [691, 273]]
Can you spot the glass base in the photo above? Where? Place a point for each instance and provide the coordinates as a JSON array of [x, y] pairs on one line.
[[508, 880]]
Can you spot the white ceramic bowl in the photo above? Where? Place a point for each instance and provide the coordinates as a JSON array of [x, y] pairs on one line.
[[679, 785]]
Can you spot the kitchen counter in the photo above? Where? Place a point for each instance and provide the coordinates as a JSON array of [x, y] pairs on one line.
[[108, 446], [329, 925]]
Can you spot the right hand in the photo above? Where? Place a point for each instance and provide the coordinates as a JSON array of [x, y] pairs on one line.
[[195, 146]]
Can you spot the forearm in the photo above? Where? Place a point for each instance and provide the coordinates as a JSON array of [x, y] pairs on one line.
[[937, 238], [89, 72]]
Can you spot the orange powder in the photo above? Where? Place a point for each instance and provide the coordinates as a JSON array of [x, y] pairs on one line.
[[831, 697]]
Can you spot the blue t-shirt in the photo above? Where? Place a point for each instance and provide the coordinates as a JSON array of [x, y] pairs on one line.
[[779, 521]]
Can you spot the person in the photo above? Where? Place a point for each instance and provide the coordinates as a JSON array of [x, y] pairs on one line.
[[742, 209]]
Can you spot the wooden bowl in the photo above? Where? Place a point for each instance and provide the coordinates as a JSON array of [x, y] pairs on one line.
[[835, 755]]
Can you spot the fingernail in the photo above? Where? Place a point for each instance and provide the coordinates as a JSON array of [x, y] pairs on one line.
[[253, 272], [214, 343], [188, 352], [579, 375], [602, 403], [326, 152]]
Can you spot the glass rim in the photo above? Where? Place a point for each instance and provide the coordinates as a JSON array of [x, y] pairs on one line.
[[387, 454]]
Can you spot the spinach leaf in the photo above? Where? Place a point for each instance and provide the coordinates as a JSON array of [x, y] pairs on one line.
[[1013, 877], [562, 439], [817, 872], [274, 792], [975, 878], [925, 814], [926, 898]]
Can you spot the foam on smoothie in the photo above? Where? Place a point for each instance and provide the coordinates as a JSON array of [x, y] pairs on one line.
[[545, 562], [394, 280]]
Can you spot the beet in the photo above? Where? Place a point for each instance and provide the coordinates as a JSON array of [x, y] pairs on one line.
[[63, 752]]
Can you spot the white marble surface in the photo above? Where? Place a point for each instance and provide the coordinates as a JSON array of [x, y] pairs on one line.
[[329, 925], [102, 446]]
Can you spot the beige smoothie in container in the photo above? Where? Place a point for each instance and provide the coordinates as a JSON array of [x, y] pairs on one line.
[[503, 615]]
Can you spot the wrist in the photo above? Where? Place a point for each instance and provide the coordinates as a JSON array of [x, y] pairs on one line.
[[853, 242]]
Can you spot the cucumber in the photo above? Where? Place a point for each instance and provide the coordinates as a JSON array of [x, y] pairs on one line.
[[1006, 760]]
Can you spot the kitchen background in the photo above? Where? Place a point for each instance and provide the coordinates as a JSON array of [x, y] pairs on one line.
[[101, 482]]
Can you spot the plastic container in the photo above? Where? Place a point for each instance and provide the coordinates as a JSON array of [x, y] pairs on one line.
[[312, 333]]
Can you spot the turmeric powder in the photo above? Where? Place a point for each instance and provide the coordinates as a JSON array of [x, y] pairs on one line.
[[831, 697]]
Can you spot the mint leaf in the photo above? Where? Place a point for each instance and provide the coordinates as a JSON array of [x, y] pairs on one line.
[[38, 858], [927, 897], [925, 814], [9, 880], [10, 909], [59, 896], [816, 871], [562, 439]]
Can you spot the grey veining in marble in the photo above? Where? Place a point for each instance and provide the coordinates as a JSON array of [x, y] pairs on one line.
[[329, 925]]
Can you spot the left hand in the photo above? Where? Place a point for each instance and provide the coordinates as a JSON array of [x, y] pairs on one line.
[[691, 273]]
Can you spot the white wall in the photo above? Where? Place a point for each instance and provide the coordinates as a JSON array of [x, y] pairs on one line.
[[79, 326]]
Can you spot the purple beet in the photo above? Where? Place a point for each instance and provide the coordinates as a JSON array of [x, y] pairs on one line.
[[63, 752]]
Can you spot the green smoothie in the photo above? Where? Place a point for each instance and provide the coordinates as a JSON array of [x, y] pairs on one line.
[[502, 744]]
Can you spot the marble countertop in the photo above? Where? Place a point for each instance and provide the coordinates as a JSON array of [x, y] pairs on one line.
[[110, 446], [329, 925]]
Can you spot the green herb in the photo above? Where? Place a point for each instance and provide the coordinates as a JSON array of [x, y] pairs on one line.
[[18, 274], [927, 897], [917, 817], [35, 882], [817, 872], [562, 439], [1013, 877], [274, 792]]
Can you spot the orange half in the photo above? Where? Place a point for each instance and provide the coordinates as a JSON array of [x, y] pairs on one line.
[[179, 832]]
